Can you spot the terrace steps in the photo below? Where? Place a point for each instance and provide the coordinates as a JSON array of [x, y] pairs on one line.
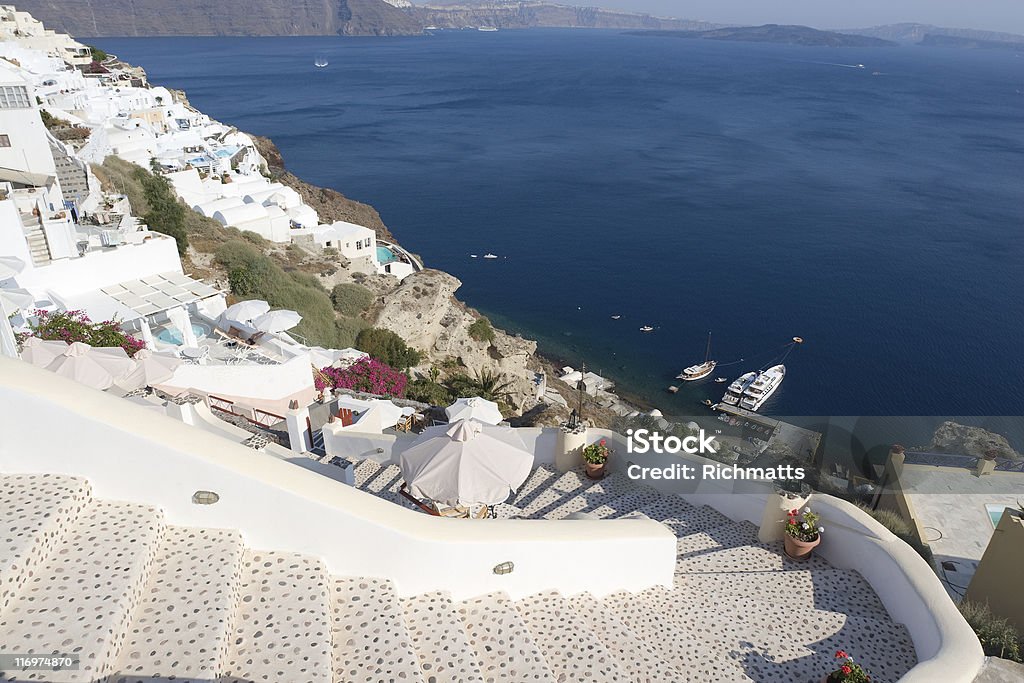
[[181, 603]]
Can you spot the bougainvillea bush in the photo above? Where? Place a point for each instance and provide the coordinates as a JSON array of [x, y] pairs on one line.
[[76, 326], [369, 375]]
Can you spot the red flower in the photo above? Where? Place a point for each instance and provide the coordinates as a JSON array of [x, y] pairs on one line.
[[841, 654], [845, 668], [603, 442]]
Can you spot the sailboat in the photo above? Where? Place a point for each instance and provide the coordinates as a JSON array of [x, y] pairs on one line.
[[700, 370], [320, 62]]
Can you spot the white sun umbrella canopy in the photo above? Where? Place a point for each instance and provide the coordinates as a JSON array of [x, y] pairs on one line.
[[10, 266], [474, 408], [277, 321], [97, 367], [151, 368], [246, 311], [466, 463], [15, 299], [42, 352]]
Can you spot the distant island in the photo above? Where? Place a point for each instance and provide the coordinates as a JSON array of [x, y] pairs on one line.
[[776, 33], [971, 43], [920, 33]]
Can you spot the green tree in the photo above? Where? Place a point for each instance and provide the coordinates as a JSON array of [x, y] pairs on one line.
[[487, 384], [425, 391], [98, 55], [387, 346], [165, 214]]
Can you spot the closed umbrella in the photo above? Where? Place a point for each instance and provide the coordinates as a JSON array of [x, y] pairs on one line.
[[42, 352], [466, 463], [277, 321], [474, 408], [151, 368], [245, 311], [97, 367]]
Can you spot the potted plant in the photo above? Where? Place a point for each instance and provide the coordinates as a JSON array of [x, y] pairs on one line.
[[849, 671], [802, 533], [596, 457]]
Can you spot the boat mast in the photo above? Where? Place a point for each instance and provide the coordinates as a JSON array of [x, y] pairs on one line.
[[707, 350]]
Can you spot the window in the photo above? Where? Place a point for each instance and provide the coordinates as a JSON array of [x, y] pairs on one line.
[[14, 97], [5, 140], [359, 244]]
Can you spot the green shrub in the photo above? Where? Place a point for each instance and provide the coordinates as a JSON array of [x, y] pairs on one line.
[[98, 55], [387, 346], [998, 636], [481, 330], [487, 384], [348, 330], [425, 391], [902, 529], [165, 214], [351, 299], [255, 238]]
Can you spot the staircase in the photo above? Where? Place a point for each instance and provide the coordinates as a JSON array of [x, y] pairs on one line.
[[38, 247], [141, 600]]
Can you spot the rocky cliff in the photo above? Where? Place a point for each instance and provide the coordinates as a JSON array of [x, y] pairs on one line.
[[951, 437], [423, 311], [93, 18], [544, 15]]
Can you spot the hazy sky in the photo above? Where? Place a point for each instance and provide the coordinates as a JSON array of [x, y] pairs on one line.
[[994, 15]]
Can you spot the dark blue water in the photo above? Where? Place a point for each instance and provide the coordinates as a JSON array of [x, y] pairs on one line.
[[759, 191]]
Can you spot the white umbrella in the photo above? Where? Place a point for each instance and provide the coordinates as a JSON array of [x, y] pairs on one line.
[[244, 311], [466, 463], [277, 321], [97, 367], [10, 266], [15, 299], [150, 369], [474, 408], [42, 352]]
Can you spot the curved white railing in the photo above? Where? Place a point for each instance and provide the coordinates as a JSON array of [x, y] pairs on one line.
[[51, 424]]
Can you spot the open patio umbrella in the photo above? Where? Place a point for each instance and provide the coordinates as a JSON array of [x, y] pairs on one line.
[[150, 369], [97, 367], [466, 463], [42, 352], [277, 321], [15, 299], [245, 311], [474, 408]]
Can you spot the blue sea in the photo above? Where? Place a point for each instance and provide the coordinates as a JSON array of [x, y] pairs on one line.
[[756, 191]]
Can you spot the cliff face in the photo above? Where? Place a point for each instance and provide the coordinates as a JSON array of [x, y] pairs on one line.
[[423, 311], [94, 18], [541, 15]]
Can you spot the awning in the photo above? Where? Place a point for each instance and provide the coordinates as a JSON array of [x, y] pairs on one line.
[[157, 293], [13, 175]]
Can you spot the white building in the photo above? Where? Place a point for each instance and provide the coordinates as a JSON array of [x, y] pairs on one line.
[[27, 31]]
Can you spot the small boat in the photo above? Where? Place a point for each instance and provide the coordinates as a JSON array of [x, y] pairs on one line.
[[673, 389], [320, 63], [472, 256], [761, 389], [700, 370], [431, 28], [647, 328], [616, 317], [860, 66], [721, 380], [487, 29], [489, 255]]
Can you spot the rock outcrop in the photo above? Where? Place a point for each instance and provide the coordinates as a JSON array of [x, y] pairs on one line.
[[423, 311], [959, 439]]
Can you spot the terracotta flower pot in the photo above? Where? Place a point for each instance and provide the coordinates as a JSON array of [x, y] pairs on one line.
[[595, 471], [799, 550]]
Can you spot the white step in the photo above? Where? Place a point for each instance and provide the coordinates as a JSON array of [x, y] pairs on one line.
[[630, 501], [35, 509], [759, 557], [439, 639], [715, 538], [502, 642], [836, 590], [637, 658], [182, 628], [682, 647], [573, 651], [80, 599], [783, 642], [365, 470], [371, 641], [283, 626], [595, 495]]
